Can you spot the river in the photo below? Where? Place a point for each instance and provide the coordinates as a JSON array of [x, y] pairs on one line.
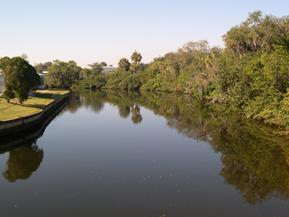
[[147, 155]]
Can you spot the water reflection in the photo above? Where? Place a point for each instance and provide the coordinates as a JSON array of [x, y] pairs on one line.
[[254, 161], [124, 111], [25, 156], [136, 115], [22, 162], [95, 101]]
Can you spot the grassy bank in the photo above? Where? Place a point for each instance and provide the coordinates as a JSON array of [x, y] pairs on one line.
[[34, 105]]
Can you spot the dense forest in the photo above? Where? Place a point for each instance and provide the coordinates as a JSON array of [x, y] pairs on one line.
[[250, 75]]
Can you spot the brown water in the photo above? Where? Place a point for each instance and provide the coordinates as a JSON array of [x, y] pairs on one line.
[[148, 155]]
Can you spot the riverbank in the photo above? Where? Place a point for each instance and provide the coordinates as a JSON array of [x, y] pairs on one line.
[[249, 76], [40, 107], [35, 104]]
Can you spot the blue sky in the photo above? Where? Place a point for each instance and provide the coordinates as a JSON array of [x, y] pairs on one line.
[[93, 30]]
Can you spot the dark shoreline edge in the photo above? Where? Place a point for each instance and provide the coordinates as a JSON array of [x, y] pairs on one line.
[[35, 121]]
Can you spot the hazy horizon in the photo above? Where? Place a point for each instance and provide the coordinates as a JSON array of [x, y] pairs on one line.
[[93, 31]]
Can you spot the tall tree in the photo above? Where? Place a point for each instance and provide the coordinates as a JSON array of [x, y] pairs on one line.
[[136, 62], [124, 64], [136, 57], [62, 74], [20, 77]]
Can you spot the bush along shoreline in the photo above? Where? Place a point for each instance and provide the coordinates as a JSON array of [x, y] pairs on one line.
[[249, 76]]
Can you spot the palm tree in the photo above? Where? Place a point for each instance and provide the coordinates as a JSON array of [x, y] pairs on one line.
[[124, 64], [136, 57]]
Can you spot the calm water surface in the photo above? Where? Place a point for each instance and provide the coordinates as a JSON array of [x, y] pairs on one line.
[[148, 155]]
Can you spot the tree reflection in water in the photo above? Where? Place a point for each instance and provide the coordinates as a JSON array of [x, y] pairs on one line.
[[22, 162], [25, 156], [124, 111], [254, 160], [136, 115]]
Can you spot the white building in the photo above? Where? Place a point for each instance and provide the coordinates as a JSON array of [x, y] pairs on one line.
[[105, 69], [108, 69]]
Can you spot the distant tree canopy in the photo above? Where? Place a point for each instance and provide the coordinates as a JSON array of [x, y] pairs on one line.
[[42, 67], [136, 62], [134, 66], [258, 32], [250, 75], [19, 76], [124, 65], [97, 68], [62, 74], [93, 77], [136, 57]]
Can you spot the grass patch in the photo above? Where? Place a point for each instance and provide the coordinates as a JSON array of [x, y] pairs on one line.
[[34, 105]]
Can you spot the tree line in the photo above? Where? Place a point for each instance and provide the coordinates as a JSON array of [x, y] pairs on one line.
[[249, 75]]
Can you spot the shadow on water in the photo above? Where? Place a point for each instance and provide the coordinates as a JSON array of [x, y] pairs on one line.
[[25, 156], [254, 161]]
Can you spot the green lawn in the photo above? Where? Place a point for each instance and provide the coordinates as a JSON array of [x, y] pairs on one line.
[[35, 104]]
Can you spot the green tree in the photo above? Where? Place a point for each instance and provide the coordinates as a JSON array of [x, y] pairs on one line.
[[124, 65], [9, 94], [42, 67], [97, 68], [136, 57], [93, 77], [249, 76], [258, 32], [136, 62], [20, 77], [3, 62], [276, 68], [63, 74]]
